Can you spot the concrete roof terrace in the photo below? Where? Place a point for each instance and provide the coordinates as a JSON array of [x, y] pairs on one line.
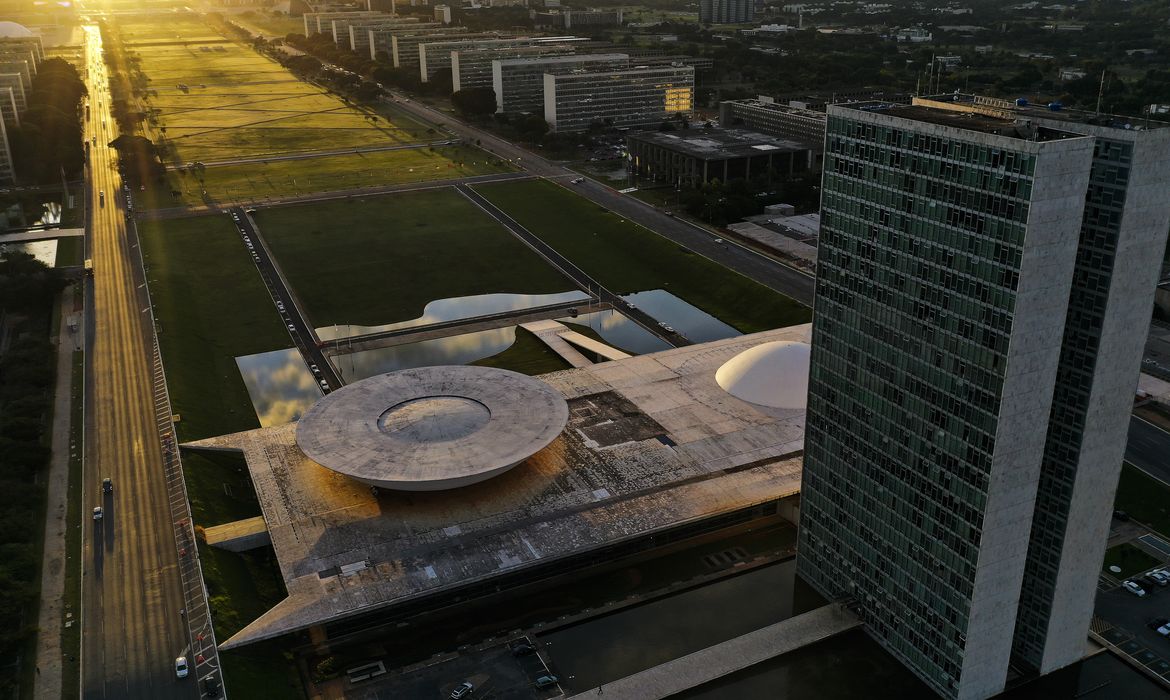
[[652, 442], [432, 428], [720, 144]]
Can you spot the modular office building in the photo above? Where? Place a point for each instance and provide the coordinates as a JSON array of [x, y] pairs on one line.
[[435, 56], [620, 98], [404, 47], [473, 68], [355, 33], [519, 82], [382, 38], [985, 278]]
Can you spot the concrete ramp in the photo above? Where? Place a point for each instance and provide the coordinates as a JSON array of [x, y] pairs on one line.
[[549, 333], [736, 654], [239, 536], [586, 343]]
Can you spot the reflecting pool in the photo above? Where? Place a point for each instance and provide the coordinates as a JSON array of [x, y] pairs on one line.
[[280, 384], [619, 331], [693, 323], [452, 350], [45, 251], [455, 308]]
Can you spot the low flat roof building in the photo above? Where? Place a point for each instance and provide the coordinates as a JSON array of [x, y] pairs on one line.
[[657, 447], [631, 97], [577, 19], [692, 157], [519, 82]]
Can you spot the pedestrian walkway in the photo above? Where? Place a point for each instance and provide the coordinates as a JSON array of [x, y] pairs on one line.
[[549, 333], [53, 617], [736, 654], [594, 346], [47, 234]]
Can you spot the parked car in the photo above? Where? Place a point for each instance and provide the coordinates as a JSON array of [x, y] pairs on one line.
[[1159, 578], [523, 649], [462, 690], [1157, 622], [181, 669], [1135, 588], [546, 681]]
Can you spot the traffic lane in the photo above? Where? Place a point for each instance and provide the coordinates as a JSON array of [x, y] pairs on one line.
[[794, 284], [579, 276], [1148, 449], [132, 633], [302, 334]]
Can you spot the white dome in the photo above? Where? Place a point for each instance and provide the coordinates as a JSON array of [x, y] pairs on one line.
[[771, 374], [12, 30]]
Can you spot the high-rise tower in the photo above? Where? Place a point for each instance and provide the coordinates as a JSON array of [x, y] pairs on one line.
[[963, 441]]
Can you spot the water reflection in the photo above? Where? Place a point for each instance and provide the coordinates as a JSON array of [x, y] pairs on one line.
[[695, 324], [281, 387], [453, 350], [45, 251], [454, 308], [619, 331], [50, 214]]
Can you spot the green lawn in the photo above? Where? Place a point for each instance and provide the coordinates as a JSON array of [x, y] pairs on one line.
[[628, 258], [528, 355], [264, 670], [256, 182], [241, 587], [1144, 498], [219, 487], [211, 307], [1131, 560], [69, 250], [381, 259]]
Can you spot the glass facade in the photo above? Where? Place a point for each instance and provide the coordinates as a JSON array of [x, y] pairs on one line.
[[919, 255]]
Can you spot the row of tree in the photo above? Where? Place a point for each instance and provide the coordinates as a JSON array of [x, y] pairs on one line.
[[47, 144], [27, 292]]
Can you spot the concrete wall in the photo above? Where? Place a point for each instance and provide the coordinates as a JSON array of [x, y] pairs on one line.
[[1141, 242], [1049, 253]]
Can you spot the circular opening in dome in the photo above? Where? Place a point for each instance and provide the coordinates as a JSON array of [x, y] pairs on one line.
[[434, 418]]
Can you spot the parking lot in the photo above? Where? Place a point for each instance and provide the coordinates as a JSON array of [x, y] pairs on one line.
[[497, 672]]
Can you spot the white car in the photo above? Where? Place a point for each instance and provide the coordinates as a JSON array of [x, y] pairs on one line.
[[1164, 630], [1159, 577], [97, 513], [181, 667], [1134, 588]]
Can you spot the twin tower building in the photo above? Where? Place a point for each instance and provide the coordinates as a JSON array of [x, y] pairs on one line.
[[985, 283]]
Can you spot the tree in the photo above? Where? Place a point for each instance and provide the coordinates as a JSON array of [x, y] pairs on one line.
[[531, 127], [475, 102]]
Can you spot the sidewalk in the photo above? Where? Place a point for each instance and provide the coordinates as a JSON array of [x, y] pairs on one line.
[[52, 615]]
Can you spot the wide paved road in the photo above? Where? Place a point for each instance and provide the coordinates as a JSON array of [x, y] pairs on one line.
[[1148, 448], [789, 281], [132, 627]]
